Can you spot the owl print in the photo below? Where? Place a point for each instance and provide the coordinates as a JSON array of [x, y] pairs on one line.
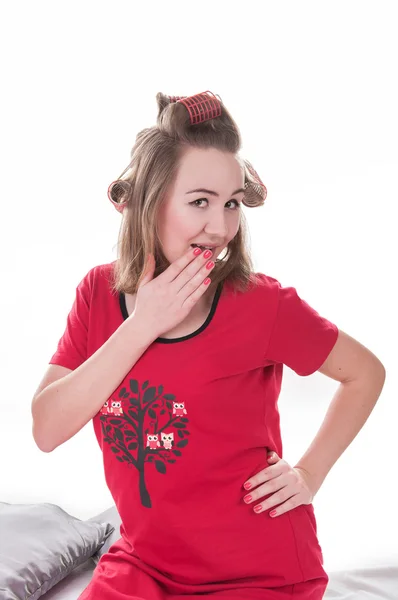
[[116, 408], [167, 439], [179, 409], [105, 410], [152, 441]]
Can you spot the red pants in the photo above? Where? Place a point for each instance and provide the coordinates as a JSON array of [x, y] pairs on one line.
[[116, 577]]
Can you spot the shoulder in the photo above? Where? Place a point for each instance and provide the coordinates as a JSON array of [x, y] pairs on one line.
[[257, 283], [264, 285], [261, 293], [268, 292], [98, 277], [261, 280], [102, 271], [272, 286]]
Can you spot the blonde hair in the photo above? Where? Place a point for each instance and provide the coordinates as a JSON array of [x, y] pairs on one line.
[[143, 184]]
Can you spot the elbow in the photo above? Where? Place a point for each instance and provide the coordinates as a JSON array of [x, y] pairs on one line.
[[45, 449], [380, 372], [383, 371], [41, 442], [40, 437]]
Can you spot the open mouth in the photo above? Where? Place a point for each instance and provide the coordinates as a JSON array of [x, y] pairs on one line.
[[203, 247]]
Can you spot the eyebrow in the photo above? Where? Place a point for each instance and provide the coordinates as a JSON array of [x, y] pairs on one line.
[[211, 193]]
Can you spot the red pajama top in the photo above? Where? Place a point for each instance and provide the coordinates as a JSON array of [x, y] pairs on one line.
[[191, 422]]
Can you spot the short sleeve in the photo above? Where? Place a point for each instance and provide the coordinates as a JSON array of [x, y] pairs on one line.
[[72, 347], [300, 338]]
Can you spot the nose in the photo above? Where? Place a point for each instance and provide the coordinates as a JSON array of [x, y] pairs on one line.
[[217, 227]]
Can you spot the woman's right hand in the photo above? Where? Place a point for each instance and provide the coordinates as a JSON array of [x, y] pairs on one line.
[[162, 303]]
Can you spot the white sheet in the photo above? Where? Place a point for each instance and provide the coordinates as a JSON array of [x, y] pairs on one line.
[[378, 583], [370, 583]]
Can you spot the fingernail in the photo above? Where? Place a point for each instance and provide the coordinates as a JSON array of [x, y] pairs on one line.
[[258, 508], [247, 486], [247, 499]]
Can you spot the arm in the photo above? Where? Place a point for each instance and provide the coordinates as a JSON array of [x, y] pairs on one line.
[[62, 408], [361, 377]]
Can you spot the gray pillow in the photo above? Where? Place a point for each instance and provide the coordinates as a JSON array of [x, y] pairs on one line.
[[111, 516], [40, 544]]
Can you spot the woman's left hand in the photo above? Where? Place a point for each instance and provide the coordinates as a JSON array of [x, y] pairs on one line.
[[291, 486]]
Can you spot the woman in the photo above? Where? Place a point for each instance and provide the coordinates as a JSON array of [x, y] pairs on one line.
[[181, 373]]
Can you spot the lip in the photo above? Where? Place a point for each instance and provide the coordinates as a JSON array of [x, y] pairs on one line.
[[214, 250]]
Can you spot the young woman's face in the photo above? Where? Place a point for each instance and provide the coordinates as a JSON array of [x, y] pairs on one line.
[[208, 217]]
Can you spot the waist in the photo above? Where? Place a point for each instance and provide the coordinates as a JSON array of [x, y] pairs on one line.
[[209, 543]]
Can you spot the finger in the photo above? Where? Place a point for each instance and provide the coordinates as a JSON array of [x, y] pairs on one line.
[[276, 484], [195, 288], [263, 476], [191, 257], [283, 501], [194, 274], [273, 457], [285, 507]]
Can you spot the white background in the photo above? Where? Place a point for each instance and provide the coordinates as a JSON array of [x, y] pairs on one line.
[[312, 86]]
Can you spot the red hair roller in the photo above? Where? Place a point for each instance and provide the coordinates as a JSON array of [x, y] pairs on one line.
[[202, 107]]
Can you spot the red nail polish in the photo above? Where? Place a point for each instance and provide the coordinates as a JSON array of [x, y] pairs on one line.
[[273, 513], [247, 486], [258, 508], [247, 498]]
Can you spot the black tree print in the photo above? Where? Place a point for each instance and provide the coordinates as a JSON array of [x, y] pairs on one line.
[[127, 432]]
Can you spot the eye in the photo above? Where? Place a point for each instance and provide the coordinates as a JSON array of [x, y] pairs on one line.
[[237, 204]]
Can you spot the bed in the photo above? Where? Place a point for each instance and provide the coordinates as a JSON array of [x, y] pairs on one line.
[[46, 530], [379, 583]]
